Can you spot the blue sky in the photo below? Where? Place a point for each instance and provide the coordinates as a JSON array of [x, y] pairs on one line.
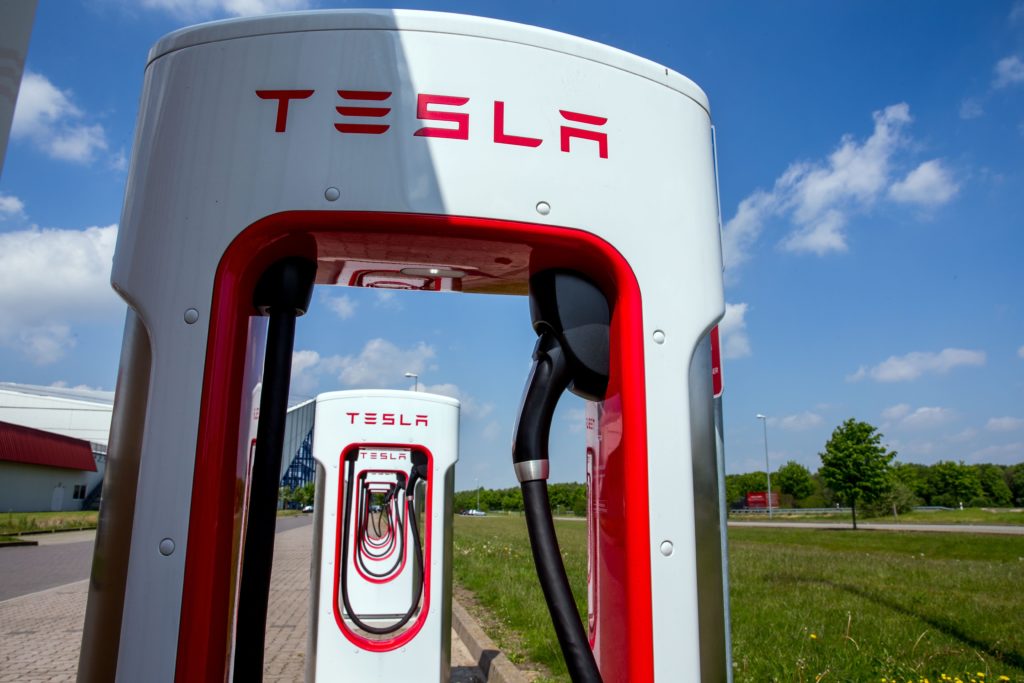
[[872, 185]]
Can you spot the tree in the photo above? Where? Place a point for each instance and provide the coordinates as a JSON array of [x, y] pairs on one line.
[[855, 465], [794, 479], [993, 483], [737, 486], [951, 483]]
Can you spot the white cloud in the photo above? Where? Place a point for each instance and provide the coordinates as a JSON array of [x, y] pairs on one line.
[[819, 197], [304, 379], [927, 417], [1004, 424], [493, 430], [971, 108], [1006, 454], [1008, 71], [576, 419], [896, 412], [343, 306], [1017, 11], [917, 363], [387, 300], [733, 331], [236, 8], [379, 364], [11, 206], [930, 184], [471, 407], [798, 422], [963, 435], [50, 279], [49, 118], [857, 376]]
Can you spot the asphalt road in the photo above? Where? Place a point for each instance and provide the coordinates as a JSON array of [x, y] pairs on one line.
[[62, 558]]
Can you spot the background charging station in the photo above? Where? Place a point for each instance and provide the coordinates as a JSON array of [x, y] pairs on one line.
[[367, 445]]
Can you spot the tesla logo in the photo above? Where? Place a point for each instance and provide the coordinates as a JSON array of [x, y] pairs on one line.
[[387, 419], [383, 455], [366, 112]]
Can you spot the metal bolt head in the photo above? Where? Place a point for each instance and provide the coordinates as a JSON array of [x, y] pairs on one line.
[[659, 337], [166, 547], [191, 316], [543, 208], [667, 548], [331, 194]]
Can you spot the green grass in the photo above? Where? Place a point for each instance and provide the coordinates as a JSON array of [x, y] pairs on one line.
[[492, 559], [1014, 516], [966, 516], [878, 604], [27, 522]]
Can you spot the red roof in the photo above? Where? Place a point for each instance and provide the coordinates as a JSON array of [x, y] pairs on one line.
[[36, 447]]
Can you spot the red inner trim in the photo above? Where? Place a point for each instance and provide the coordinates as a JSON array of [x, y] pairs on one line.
[[409, 633], [505, 252], [355, 547]]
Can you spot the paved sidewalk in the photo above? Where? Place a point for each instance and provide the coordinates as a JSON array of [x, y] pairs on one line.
[[41, 633]]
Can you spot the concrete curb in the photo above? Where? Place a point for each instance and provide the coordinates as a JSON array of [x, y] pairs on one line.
[[495, 666]]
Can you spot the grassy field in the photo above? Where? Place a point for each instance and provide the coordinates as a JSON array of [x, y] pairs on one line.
[[26, 522], [1014, 516], [807, 605]]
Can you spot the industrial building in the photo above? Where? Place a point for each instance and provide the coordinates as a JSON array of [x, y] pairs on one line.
[[53, 446]]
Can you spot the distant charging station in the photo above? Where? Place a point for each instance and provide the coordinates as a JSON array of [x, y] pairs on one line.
[[381, 607]]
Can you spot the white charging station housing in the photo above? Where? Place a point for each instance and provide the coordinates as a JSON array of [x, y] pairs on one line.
[[373, 435]]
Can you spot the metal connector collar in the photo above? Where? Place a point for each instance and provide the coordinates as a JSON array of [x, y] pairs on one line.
[[531, 470]]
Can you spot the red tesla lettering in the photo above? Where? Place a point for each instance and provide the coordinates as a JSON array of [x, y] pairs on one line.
[[388, 419], [568, 132], [352, 418], [499, 130], [370, 418], [402, 422], [421, 420], [363, 111], [460, 132], [283, 97]]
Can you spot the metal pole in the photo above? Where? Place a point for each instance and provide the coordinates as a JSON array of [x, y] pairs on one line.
[[416, 380], [767, 467], [477, 494]]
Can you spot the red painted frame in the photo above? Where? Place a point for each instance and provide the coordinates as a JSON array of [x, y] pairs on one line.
[[207, 610]]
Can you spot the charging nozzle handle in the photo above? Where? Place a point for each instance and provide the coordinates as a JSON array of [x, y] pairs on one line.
[[549, 377]]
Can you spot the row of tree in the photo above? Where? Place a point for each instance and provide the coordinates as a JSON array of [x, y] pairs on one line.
[[297, 497], [857, 469], [564, 498]]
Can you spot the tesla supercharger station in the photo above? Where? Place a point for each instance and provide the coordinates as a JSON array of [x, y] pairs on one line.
[[381, 607], [421, 151]]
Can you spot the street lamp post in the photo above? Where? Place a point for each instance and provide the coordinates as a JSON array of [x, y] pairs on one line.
[[767, 467], [416, 380], [477, 493]]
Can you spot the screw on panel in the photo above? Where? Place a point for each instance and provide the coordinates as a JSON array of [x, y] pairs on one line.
[[191, 315], [331, 194], [543, 208], [659, 337], [166, 547], [666, 548]]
